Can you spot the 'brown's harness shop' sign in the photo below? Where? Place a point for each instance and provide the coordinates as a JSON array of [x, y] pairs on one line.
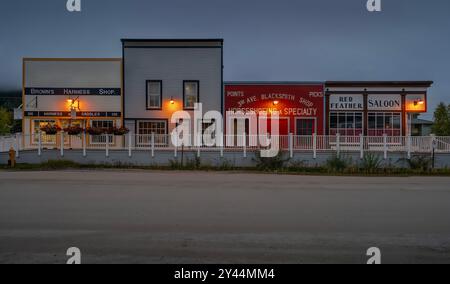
[[71, 92]]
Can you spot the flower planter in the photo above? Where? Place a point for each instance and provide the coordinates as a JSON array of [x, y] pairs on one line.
[[51, 129], [121, 131], [73, 130], [95, 131]]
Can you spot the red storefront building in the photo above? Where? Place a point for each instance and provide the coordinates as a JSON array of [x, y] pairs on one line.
[[348, 108], [300, 105]]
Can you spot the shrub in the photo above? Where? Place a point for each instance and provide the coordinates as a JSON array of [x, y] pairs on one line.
[[338, 164], [371, 163], [270, 164], [193, 164], [420, 163], [226, 165]]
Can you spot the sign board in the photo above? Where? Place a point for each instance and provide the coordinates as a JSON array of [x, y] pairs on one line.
[[18, 114], [384, 102], [292, 101], [79, 114], [416, 103], [72, 92], [346, 102]]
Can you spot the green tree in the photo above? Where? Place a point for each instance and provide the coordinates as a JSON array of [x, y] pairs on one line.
[[6, 120], [441, 126]]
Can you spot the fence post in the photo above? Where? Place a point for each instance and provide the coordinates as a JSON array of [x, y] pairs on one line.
[[222, 145], [130, 141], [199, 141], [361, 146], [433, 140], [175, 154], [409, 146], [245, 144], [153, 144], [107, 145], [17, 145], [338, 144], [84, 144], [385, 146], [291, 145], [315, 146], [39, 143], [61, 136]]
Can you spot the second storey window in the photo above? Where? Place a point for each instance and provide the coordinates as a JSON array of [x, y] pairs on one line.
[[190, 94], [154, 94]]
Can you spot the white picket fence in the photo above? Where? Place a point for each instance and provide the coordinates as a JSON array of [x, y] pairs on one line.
[[289, 143]]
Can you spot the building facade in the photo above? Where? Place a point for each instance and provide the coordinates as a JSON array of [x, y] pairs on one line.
[[165, 76], [70, 92], [374, 108], [301, 105], [156, 78]]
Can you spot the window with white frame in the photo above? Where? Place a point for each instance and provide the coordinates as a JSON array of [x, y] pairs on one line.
[[101, 124], [154, 94], [45, 139], [146, 128], [381, 123], [346, 123], [191, 94]]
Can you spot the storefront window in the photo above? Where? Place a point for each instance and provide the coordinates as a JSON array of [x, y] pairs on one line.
[[305, 127], [147, 128], [384, 123], [45, 139], [102, 124], [346, 123]]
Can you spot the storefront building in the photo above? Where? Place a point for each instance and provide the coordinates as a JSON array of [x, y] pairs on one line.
[[300, 105], [70, 92], [374, 108], [162, 77]]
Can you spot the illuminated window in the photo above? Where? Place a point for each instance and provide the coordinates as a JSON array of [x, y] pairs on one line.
[[190, 94], [149, 127], [101, 124], [45, 139]]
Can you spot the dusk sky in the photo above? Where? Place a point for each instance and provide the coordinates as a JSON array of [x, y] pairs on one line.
[[276, 40]]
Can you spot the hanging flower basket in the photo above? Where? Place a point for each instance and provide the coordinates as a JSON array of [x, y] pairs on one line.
[[121, 131], [94, 131], [51, 129], [73, 130], [110, 130]]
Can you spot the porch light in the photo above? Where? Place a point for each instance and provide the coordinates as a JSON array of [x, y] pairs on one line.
[[172, 101], [419, 102]]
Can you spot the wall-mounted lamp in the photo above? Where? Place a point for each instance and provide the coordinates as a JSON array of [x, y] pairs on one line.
[[74, 104], [275, 103], [419, 102], [172, 101]]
